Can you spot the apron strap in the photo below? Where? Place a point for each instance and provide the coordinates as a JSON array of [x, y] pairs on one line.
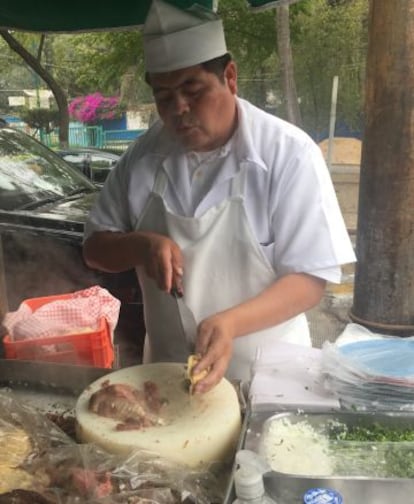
[[160, 183]]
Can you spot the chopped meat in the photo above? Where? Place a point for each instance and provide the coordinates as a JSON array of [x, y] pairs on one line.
[[152, 396], [66, 421], [92, 483], [131, 424], [135, 408]]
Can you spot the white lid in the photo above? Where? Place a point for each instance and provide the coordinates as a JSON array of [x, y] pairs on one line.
[[175, 39], [322, 496], [249, 458], [248, 483]]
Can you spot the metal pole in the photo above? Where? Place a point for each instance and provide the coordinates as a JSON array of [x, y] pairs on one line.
[[332, 120], [384, 277]]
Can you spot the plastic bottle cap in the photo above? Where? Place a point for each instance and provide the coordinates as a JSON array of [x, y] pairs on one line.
[[322, 496], [248, 458], [248, 483]]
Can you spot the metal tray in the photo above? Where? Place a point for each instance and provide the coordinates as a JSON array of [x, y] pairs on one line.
[[289, 488], [49, 387]]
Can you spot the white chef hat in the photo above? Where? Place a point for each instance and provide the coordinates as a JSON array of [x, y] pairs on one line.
[[175, 38]]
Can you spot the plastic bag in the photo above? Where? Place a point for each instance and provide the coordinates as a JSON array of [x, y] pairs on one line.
[[96, 476], [46, 461], [26, 439], [76, 312], [366, 370]]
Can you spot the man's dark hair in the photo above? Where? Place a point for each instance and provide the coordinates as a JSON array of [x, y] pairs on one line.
[[215, 66]]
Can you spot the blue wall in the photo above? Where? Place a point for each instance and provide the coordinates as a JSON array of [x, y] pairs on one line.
[[113, 124]]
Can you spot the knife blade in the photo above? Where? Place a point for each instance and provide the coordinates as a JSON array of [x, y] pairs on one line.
[[187, 321]]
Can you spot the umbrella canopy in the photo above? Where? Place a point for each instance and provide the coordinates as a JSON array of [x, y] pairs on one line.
[[78, 15]]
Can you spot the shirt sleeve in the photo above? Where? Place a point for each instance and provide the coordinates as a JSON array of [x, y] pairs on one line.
[[332, 275], [310, 235], [111, 211]]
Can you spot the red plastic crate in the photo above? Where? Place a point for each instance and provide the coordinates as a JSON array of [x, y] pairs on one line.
[[87, 349]]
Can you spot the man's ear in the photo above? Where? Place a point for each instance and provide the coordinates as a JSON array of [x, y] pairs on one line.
[[230, 75]]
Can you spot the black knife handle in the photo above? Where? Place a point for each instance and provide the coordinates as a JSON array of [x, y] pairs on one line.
[[176, 293]]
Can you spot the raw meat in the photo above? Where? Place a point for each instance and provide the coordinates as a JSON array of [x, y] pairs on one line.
[[134, 408]]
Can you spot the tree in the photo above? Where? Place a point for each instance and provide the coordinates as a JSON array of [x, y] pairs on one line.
[[331, 40], [262, 47], [84, 64], [13, 76], [108, 62], [290, 97], [250, 37], [40, 118], [35, 63], [325, 39]]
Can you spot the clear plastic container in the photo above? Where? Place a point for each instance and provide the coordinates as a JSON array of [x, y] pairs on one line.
[[248, 479]]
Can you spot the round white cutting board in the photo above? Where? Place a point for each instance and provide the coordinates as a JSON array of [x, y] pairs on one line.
[[196, 429]]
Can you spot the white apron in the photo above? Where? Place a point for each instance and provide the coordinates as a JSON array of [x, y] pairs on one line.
[[223, 266]]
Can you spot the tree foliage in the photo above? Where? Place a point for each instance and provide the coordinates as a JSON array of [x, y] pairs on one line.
[[332, 41], [32, 56], [108, 62], [327, 37], [251, 39], [13, 77], [40, 118]]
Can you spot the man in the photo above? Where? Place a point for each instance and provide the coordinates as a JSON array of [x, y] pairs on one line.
[[220, 200]]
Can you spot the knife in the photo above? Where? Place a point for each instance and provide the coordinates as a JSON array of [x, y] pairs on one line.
[[187, 320]]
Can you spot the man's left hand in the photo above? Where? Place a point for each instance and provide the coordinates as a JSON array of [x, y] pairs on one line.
[[215, 345]]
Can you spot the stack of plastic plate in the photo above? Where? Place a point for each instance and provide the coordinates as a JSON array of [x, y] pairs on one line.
[[371, 374]]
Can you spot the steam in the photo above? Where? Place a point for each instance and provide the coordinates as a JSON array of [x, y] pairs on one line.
[[38, 266]]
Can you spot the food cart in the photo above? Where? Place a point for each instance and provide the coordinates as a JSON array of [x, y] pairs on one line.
[[384, 242], [304, 436], [44, 417]]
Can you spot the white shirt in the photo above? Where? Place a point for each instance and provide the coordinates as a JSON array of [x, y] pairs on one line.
[[202, 168], [290, 200]]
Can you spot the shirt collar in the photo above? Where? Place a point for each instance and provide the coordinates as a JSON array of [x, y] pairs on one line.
[[244, 146], [241, 143]]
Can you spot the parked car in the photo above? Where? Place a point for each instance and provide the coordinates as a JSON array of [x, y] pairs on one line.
[[44, 202], [94, 163]]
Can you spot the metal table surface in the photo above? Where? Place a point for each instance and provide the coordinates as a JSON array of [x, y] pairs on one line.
[[289, 488], [47, 386]]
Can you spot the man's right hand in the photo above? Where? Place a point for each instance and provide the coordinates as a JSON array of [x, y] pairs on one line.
[[160, 256], [162, 261]]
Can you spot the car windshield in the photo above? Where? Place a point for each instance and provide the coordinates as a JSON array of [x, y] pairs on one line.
[[30, 173]]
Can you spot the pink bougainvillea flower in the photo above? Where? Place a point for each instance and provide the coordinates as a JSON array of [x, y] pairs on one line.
[[94, 107]]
